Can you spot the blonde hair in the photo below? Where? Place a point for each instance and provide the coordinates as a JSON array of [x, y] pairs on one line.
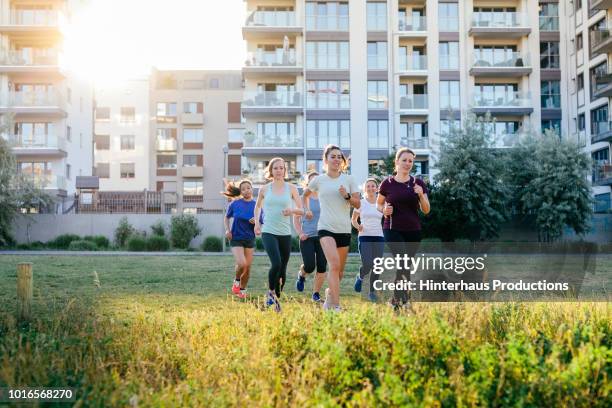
[[326, 152], [399, 154], [268, 173]]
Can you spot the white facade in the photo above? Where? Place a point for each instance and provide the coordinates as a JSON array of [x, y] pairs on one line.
[[50, 107], [122, 136]]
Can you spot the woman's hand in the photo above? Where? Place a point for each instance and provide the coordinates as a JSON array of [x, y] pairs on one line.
[[360, 228], [342, 192], [418, 189], [303, 237], [388, 210], [257, 229], [287, 211], [228, 235], [309, 216]]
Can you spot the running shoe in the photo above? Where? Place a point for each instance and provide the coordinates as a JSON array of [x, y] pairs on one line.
[[242, 294], [269, 299], [316, 297], [326, 303], [372, 297], [299, 283], [273, 300], [236, 287], [358, 281]]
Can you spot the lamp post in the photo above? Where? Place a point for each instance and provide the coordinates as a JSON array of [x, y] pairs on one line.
[[225, 150]]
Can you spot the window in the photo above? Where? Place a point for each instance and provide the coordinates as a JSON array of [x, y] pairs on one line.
[[126, 170], [580, 82], [278, 134], [192, 160], [327, 16], [166, 139], [328, 95], [376, 16], [127, 142], [549, 17], [412, 20], [193, 107], [500, 55], [377, 55], [549, 55], [320, 133], [69, 133], [166, 112], [552, 124], [599, 120], [193, 188], [449, 95], [602, 203], [195, 135], [551, 94], [68, 169], [314, 165], [448, 16], [600, 158], [102, 113], [213, 83], [414, 134], [496, 95], [377, 95], [378, 134], [235, 135], [102, 170], [128, 114], [449, 55], [166, 161], [581, 122], [446, 125], [598, 71], [327, 54], [578, 4], [579, 42], [102, 142], [34, 134]]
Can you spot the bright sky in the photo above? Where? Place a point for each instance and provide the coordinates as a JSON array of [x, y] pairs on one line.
[[113, 39]]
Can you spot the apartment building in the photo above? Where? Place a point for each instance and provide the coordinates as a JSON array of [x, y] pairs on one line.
[[196, 131], [49, 108], [375, 75], [591, 78], [122, 138]]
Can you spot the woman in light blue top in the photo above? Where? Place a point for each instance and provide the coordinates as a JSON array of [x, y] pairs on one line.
[[310, 247], [275, 198]]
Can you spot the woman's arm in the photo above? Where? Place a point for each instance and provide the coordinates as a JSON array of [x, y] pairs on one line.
[[305, 196], [298, 210], [424, 203], [258, 205], [354, 218], [380, 202]]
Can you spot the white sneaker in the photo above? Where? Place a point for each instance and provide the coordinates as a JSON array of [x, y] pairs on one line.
[[326, 303]]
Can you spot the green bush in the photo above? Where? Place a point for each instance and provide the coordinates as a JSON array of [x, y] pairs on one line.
[[259, 244], [137, 244], [63, 241], [123, 232], [354, 245], [82, 245], [23, 247], [100, 240], [212, 244], [37, 245], [157, 243], [183, 228], [159, 228]]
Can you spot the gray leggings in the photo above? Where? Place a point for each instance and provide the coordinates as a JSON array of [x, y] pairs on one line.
[[278, 248]]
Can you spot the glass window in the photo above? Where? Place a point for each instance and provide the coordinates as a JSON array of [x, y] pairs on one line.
[[127, 170], [377, 95], [102, 113], [127, 142], [320, 133], [552, 124], [191, 160], [449, 95], [102, 142], [378, 134], [328, 94], [331, 16], [377, 55], [102, 170], [193, 135], [166, 112], [549, 55], [448, 16], [376, 16], [327, 55], [128, 114], [551, 94], [192, 107], [449, 55], [192, 188], [166, 161], [602, 203], [599, 120]]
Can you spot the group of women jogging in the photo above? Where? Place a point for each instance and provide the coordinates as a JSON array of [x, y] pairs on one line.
[[387, 214]]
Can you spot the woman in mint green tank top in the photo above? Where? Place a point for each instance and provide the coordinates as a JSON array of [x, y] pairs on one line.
[[275, 198]]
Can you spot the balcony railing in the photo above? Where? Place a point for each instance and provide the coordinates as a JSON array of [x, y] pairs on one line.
[[273, 141], [48, 181], [328, 100], [498, 20], [280, 57], [413, 63], [448, 24], [413, 102], [501, 60], [602, 173], [166, 145], [271, 19], [409, 24], [416, 142], [35, 99], [38, 142], [287, 99], [550, 101], [510, 99], [327, 22], [549, 23], [49, 18], [22, 58], [599, 37], [600, 130]]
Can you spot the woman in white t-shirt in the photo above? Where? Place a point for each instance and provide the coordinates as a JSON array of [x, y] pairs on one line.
[[371, 238], [337, 193]]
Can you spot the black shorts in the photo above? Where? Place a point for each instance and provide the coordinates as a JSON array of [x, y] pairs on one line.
[[342, 240], [245, 243]]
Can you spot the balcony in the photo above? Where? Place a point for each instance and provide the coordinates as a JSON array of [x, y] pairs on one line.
[[35, 145], [499, 25], [48, 181], [514, 103], [580, 138], [12, 61], [601, 4], [192, 171], [166, 145], [601, 132], [27, 102], [603, 85], [24, 22], [266, 24], [505, 140], [288, 103], [602, 174], [273, 143], [550, 101], [413, 105], [601, 41], [263, 64], [549, 23], [192, 118], [415, 142], [412, 66], [507, 65], [413, 27]]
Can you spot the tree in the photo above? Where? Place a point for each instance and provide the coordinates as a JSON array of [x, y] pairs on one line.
[[552, 184], [471, 178]]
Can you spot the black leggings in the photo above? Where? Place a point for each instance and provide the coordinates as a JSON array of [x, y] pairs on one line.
[[400, 243], [312, 255], [278, 248]]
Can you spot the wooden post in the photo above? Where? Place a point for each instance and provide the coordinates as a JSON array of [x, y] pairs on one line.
[[24, 290]]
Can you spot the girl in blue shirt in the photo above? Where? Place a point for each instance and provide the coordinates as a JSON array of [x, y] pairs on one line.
[[242, 235]]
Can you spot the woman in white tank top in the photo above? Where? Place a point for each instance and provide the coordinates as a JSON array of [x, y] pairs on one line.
[[368, 221]]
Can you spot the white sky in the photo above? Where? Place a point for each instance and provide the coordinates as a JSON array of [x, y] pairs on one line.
[[113, 39]]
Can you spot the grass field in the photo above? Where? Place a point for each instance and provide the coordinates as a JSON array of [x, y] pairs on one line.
[[163, 331]]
